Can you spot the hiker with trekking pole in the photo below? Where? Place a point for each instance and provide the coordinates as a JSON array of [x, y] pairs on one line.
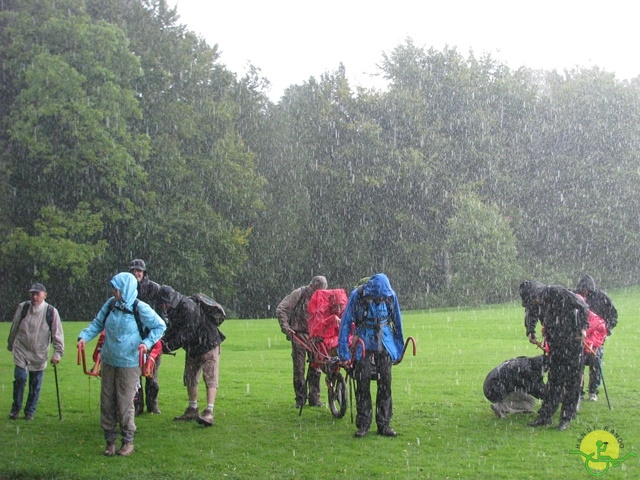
[[36, 327], [602, 305], [131, 329]]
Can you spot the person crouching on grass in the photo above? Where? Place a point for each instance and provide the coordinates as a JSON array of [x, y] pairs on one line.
[[121, 357]]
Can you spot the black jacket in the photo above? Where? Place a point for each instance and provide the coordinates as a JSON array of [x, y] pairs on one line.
[[531, 294], [148, 293], [564, 316], [189, 328], [521, 374], [600, 303]]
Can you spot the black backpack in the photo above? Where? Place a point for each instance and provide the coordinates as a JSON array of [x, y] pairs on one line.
[[362, 306], [211, 309], [144, 331]]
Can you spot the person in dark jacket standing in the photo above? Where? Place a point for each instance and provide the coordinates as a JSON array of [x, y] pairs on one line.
[[190, 329], [564, 319], [602, 305], [373, 310], [293, 316], [513, 386], [148, 293]]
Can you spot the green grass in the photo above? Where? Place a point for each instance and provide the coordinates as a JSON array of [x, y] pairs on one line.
[[446, 428]]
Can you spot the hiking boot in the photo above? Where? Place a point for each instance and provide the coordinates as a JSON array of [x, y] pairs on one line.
[[564, 424], [126, 449], [315, 403], [28, 416], [206, 418], [540, 422], [14, 415], [387, 432], [593, 397], [361, 432], [155, 411], [191, 413], [110, 451], [497, 409]]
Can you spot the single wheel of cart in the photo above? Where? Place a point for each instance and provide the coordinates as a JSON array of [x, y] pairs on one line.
[[337, 393]]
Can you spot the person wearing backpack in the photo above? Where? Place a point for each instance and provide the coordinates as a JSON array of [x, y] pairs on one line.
[[120, 354], [36, 326], [601, 304], [293, 318], [193, 326], [148, 293], [373, 314]]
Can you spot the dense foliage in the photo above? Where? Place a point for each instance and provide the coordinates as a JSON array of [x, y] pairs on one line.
[[123, 136]]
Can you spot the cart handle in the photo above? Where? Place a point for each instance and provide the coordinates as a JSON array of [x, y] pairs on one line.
[[406, 344], [300, 341], [82, 360]]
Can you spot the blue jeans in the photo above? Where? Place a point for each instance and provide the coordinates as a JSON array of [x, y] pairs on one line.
[[35, 384]]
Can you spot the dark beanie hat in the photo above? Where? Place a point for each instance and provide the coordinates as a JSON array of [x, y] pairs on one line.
[[587, 283]]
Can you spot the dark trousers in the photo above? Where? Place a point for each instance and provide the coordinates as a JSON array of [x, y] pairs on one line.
[[566, 364], [149, 391], [595, 374], [19, 383], [362, 373], [299, 356]]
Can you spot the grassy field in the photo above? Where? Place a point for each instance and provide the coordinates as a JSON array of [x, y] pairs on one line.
[[446, 427]]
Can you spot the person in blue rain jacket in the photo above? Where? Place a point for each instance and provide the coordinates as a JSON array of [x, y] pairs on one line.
[[373, 317], [121, 357]]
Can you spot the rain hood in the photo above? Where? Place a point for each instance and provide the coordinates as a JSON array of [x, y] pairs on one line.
[[127, 285]]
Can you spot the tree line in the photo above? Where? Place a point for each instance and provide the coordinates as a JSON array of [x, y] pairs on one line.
[[124, 136]]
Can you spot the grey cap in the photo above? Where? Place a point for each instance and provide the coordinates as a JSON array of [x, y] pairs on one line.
[[138, 264], [37, 287]]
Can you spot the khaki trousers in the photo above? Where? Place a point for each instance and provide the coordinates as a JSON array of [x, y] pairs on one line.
[[119, 386]]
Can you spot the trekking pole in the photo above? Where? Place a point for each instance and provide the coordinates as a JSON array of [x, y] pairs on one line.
[[604, 385], [55, 373]]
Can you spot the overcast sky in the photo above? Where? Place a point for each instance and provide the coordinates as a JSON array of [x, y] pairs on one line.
[[292, 40]]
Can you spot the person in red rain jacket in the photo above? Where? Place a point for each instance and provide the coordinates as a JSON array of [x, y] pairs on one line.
[[596, 335]]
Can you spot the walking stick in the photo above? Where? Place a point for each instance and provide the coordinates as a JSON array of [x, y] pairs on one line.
[[604, 385], [55, 373]]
